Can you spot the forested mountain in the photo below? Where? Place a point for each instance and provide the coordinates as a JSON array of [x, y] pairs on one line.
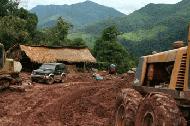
[[153, 27], [143, 18], [79, 14]]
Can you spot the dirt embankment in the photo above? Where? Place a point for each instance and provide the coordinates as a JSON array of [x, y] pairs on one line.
[[80, 101]]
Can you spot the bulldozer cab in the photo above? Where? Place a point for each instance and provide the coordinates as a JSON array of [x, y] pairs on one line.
[[9, 70], [8, 66], [169, 69]]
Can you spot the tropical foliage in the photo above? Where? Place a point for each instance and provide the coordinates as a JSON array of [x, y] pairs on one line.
[[108, 49], [153, 27], [17, 25]]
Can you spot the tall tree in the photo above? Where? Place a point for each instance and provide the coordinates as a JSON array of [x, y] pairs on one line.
[[57, 35], [110, 33], [107, 49], [7, 7], [17, 25], [13, 30], [30, 18]]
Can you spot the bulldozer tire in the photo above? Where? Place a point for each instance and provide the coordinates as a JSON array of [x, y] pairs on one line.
[[159, 109], [126, 107]]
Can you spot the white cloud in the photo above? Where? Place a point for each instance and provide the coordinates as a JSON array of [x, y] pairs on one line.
[[125, 6]]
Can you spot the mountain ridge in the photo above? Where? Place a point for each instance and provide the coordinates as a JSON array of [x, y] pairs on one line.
[[152, 28], [78, 14]]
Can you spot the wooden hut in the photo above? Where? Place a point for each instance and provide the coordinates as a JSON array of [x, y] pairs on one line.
[[32, 56]]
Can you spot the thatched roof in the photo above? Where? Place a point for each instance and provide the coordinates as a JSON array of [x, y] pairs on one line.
[[43, 54]]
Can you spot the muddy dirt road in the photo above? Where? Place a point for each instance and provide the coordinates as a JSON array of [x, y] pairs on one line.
[[80, 101]]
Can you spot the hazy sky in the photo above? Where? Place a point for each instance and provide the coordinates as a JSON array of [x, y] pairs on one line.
[[125, 6]]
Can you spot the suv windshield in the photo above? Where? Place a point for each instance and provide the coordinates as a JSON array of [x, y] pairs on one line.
[[47, 66]]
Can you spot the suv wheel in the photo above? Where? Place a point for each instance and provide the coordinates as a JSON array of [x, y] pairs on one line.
[[50, 80], [63, 78], [32, 80]]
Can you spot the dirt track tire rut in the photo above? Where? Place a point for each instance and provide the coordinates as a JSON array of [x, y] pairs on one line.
[[66, 115]]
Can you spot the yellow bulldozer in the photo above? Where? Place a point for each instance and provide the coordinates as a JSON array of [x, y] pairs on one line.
[[9, 70], [161, 91]]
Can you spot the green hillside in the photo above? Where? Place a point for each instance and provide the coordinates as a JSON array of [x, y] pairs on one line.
[[154, 27], [79, 14], [88, 38], [140, 35], [143, 18]]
